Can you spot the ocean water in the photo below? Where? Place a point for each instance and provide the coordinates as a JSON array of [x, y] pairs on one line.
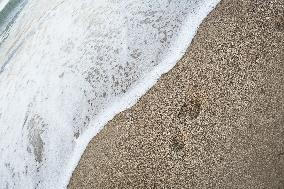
[[67, 67], [9, 10]]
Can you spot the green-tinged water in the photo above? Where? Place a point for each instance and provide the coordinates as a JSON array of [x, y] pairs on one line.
[[8, 16]]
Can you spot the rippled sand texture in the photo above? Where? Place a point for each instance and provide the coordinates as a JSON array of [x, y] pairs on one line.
[[214, 121]]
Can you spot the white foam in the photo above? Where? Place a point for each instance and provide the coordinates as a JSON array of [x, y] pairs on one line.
[[70, 66]]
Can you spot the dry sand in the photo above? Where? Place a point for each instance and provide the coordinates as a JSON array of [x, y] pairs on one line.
[[216, 120]]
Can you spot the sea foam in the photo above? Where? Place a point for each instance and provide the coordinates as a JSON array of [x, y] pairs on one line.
[[68, 67]]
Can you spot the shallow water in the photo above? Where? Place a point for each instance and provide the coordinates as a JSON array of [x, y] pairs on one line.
[[67, 67], [9, 11]]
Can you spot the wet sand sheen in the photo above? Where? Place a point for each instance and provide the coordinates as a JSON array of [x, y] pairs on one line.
[[216, 120]]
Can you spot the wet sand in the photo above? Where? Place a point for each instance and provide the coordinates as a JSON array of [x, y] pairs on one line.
[[216, 120]]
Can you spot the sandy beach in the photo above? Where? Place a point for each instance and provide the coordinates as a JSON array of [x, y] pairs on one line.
[[216, 120]]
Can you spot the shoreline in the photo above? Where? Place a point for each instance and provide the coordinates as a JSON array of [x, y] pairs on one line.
[[142, 86], [214, 120]]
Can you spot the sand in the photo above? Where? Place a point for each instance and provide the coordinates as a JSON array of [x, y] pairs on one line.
[[216, 120]]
